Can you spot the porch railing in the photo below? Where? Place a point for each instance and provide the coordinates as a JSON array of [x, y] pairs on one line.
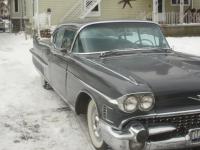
[[192, 18], [174, 18], [41, 21], [89, 5], [80, 10]]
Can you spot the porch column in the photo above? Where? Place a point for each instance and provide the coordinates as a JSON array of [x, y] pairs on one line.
[[181, 11], [155, 10], [38, 17]]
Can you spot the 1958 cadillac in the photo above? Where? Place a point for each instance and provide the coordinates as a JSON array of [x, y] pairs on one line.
[[136, 91]]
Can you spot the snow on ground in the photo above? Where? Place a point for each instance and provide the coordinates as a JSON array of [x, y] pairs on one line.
[[190, 45], [32, 118]]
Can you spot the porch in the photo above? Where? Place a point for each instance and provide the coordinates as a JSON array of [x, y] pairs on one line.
[[175, 12]]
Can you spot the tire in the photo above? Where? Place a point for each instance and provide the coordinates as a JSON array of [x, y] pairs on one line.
[[93, 127], [45, 84]]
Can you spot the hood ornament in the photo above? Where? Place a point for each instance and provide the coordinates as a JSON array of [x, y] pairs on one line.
[[197, 98]]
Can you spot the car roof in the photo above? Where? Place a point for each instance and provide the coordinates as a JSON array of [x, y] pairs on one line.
[[83, 23]]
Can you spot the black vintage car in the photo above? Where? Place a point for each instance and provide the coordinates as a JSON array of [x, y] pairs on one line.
[[136, 91]]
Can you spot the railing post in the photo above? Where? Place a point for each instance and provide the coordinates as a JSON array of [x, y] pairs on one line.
[[181, 11], [155, 10]]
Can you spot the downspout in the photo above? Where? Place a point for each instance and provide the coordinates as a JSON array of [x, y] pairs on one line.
[[21, 18], [38, 18], [192, 4]]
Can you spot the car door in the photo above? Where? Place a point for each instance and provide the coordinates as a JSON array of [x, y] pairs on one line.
[[62, 40]]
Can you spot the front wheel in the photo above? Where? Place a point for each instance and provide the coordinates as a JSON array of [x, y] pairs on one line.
[[93, 125]]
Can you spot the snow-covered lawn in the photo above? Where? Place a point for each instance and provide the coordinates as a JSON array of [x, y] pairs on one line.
[[190, 45], [32, 118]]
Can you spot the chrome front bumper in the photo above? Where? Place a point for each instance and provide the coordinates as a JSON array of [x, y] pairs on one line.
[[121, 141]]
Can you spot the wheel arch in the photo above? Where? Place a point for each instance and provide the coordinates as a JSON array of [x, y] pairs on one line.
[[82, 102]]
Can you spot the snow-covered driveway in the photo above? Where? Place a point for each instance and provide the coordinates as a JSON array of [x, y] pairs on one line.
[[32, 118]]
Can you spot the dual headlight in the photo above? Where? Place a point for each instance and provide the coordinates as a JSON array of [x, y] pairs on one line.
[[141, 101]]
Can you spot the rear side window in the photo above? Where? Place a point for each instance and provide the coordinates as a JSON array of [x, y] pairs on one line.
[[68, 39], [58, 38]]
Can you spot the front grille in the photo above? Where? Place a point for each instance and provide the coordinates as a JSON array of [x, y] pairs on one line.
[[183, 122]]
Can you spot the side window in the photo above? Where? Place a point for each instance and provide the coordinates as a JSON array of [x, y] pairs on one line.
[[16, 6], [58, 38], [78, 46], [68, 38]]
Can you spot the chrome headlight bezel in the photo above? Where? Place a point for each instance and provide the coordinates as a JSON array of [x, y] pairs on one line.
[[139, 98], [144, 100]]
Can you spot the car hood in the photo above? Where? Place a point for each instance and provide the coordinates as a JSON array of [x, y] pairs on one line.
[[173, 77]]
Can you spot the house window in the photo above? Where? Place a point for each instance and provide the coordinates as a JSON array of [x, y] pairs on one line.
[[95, 12], [16, 6], [177, 2]]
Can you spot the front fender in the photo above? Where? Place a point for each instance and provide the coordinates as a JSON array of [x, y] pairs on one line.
[[104, 86]]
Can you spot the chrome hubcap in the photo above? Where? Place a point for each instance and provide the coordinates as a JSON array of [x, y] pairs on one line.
[[96, 127]]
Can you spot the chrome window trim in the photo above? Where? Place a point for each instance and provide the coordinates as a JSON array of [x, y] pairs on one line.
[[81, 26], [102, 22]]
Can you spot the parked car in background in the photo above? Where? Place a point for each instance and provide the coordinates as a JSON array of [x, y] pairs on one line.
[[2, 25], [137, 93]]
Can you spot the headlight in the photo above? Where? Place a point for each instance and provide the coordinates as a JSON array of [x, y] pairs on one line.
[[146, 103], [131, 104], [141, 101]]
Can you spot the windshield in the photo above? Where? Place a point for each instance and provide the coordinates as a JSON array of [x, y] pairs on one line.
[[120, 36]]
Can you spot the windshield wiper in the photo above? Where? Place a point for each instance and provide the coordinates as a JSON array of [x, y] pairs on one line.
[[110, 53], [164, 50], [157, 50]]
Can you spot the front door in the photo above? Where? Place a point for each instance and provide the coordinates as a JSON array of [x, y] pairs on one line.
[[161, 10], [58, 64], [62, 39]]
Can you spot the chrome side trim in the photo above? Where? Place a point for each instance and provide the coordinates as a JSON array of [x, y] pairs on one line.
[[56, 91], [132, 81], [112, 101], [196, 99], [40, 60]]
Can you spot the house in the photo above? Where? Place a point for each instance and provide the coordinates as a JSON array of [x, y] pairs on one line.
[[20, 13], [4, 10], [44, 13], [162, 11]]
